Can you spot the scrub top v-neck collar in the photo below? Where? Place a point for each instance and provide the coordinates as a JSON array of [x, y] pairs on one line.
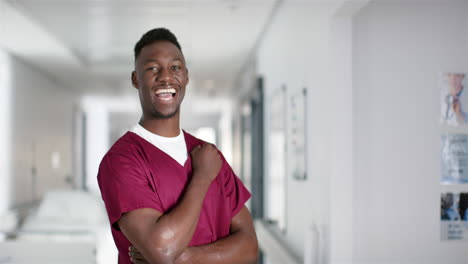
[[175, 147], [189, 143]]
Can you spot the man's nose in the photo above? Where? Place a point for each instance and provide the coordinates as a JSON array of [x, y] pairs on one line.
[[165, 76]]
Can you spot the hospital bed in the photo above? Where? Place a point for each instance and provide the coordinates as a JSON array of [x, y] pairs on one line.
[[27, 252], [70, 217]]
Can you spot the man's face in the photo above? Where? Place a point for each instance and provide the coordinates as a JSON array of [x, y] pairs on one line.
[[161, 77], [455, 81]]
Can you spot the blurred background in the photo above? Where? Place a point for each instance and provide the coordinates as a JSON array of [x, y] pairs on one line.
[[329, 111]]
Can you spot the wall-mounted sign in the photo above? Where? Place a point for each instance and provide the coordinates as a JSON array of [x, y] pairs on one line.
[[454, 158], [454, 99], [297, 134], [454, 216]]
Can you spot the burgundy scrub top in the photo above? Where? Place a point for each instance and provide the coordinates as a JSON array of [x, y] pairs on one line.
[[136, 174]]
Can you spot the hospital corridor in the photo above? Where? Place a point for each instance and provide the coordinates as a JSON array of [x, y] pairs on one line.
[[344, 124]]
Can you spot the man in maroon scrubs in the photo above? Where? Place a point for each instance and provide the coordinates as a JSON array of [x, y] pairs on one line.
[[170, 197]]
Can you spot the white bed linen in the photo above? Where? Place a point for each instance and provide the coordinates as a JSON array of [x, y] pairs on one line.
[[27, 252], [68, 216]]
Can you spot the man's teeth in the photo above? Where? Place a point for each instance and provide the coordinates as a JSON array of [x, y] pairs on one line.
[[171, 91]]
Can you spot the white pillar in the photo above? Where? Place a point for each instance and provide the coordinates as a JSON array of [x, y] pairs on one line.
[[97, 139], [5, 132]]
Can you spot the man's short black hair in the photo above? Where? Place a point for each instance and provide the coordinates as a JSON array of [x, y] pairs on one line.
[[154, 35]]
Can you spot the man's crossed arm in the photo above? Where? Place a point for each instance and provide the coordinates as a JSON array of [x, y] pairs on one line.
[[239, 247], [164, 238]]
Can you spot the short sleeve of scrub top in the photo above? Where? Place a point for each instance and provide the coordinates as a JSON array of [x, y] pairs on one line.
[[125, 186], [234, 190]]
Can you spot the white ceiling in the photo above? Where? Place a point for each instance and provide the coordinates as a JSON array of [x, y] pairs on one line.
[[216, 36]]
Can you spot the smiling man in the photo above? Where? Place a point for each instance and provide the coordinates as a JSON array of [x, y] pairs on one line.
[[170, 197]]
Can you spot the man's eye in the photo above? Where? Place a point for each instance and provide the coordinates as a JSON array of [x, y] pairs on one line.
[[153, 69], [176, 67]]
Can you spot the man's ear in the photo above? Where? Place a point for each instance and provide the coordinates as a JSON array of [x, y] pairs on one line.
[[134, 80]]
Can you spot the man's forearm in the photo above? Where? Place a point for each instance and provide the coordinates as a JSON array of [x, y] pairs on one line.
[[238, 248], [173, 231]]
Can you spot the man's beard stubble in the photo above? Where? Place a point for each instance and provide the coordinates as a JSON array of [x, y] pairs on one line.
[[158, 115]]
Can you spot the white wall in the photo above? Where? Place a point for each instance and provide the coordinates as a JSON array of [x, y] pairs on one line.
[[373, 186], [400, 49], [295, 52], [41, 125]]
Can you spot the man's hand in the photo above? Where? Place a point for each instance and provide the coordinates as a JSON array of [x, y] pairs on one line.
[[206, 162], [135, 256]]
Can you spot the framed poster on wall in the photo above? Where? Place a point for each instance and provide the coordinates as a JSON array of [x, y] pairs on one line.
[[297, 134], [454, 158], [276, 179], [454, 99], [454, 216]]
